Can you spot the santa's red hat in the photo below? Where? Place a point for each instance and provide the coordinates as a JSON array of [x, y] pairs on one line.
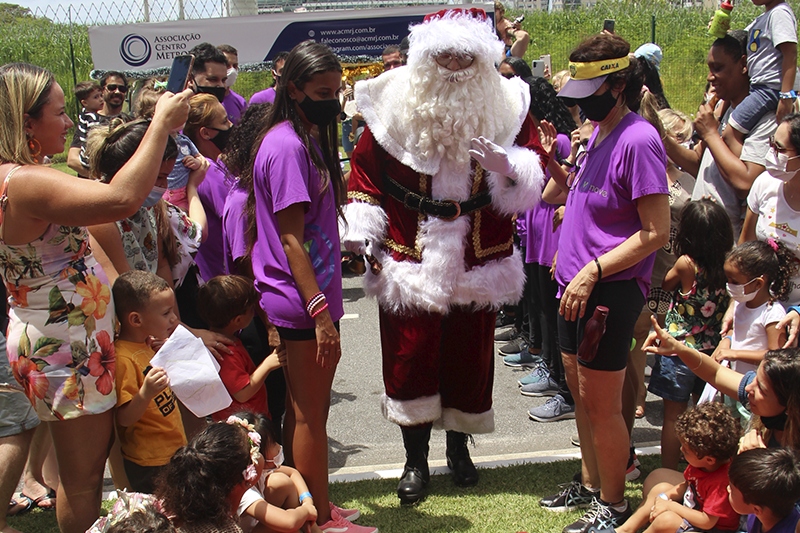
[[458, 30]]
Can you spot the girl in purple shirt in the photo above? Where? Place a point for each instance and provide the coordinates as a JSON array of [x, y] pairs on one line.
[[295, 191]]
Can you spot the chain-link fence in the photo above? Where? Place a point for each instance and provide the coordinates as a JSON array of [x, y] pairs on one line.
[[53, 36]]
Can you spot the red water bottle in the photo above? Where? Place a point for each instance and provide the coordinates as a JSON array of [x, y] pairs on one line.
[[592, 333]]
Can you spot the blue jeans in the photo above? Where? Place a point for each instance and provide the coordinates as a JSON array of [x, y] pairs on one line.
[[755, 105]]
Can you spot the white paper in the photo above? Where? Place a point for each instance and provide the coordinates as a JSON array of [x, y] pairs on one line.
[[193, 373]]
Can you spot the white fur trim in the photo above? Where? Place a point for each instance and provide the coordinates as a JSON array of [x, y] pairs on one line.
[[510, 197], [472, 423], [411, 412], [365, 222], [493, 284]]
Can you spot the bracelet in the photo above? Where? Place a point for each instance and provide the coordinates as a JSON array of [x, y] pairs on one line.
[[320, 300], [318, 311], [701, 363], [599, 269], [728, 337], [305, 495], [314, 301]]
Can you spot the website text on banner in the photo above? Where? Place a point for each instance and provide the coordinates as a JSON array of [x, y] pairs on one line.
[[362, 32]]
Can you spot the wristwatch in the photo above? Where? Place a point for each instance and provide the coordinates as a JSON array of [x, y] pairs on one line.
[[791, 95]]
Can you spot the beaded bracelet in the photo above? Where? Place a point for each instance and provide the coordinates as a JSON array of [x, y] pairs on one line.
[[318, 311], [314, 301]]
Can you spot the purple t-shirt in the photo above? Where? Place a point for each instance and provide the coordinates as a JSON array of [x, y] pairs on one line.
[[234, 105], [234, 228], [212, 193], [542, 241], [601, 207], [267, 96], [284, 175]]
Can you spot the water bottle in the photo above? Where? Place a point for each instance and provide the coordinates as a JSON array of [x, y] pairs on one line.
[[721, 22], [592, 333]]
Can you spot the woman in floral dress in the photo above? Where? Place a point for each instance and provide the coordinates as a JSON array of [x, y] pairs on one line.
[[60, 336]]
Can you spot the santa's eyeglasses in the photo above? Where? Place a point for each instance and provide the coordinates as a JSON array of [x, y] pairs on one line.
[[444, 59]]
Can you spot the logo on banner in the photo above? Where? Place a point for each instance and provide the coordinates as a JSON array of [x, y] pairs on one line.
[[135, 50]]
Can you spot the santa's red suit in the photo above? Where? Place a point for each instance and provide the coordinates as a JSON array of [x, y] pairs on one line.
[[440, 226]]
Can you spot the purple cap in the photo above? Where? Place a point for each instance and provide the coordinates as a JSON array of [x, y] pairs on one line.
[[577, 89]]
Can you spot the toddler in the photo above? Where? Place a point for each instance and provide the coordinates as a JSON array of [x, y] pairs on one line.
[[149, 424], [227, 304], [703, 238], [709, 438], [765, 484], [771, 64]]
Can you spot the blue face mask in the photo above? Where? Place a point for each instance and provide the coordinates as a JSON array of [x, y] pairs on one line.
[[154, 196]]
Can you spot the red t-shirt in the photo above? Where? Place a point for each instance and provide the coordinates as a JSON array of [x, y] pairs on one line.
[[708, 492], [235, 370]]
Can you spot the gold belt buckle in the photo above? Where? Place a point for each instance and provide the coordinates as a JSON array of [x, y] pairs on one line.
[[458, 210]]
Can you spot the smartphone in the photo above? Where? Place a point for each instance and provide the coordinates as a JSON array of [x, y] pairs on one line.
[[537, 66], [519, 19], [608, 25], [179, 73], [548, 64]]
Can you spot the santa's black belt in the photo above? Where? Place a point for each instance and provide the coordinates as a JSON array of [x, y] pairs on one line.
[[444, 209]]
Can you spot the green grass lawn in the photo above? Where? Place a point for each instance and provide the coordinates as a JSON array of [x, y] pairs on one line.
[[505, 500]]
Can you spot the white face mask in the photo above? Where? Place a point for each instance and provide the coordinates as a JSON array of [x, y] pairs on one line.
[[737, 291], [277, 461], [232, 73], [776, 163], [155, 195]]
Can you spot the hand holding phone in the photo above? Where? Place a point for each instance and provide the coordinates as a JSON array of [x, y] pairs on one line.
[[179, 73], [608, 25]]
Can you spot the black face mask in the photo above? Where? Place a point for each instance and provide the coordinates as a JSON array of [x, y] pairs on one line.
[[596, 107], [221, 139], [775, 423], [320, 112], [218, 92]]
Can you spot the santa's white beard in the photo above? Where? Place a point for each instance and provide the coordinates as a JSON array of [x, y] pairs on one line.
[[448, 109]]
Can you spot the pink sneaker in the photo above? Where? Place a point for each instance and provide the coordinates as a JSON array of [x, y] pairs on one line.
[[337, 524], [347, 514]]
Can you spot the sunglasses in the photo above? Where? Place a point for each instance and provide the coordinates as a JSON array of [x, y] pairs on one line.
[[445, 58], [121, 88]]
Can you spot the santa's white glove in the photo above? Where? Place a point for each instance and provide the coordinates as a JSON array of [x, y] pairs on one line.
[[492, 157]]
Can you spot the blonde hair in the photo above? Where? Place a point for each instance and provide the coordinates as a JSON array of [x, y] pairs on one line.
[[146, 98], [677, 124], [24, 90], [559, 79], [201, 113]]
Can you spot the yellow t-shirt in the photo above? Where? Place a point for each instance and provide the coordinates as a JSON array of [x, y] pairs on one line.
[[153, 439]]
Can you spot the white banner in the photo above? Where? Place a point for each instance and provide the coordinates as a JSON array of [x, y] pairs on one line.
[[353, 33]]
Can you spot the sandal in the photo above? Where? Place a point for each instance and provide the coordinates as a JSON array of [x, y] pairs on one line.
[[46, 502], [20, 505]]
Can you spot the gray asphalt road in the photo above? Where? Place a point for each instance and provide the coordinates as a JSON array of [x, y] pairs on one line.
[[361, 439]]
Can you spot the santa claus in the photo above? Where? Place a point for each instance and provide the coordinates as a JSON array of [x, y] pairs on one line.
[[449, 155]]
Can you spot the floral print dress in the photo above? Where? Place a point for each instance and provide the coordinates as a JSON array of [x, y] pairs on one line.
[[695, 318], [60, 334]]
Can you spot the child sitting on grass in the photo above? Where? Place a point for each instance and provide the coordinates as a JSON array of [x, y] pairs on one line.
[[227, 304], [149, 424], [765, 484], [709, 437]]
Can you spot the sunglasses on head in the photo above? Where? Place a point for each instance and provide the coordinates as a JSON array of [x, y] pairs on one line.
[[113, 87]]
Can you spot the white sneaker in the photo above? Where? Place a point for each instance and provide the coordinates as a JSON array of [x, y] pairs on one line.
[[338, 524]]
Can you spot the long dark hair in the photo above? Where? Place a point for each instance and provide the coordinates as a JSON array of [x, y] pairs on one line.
[[705, 234], [195, 484], [545, 105], [782, 368], [305, 61]]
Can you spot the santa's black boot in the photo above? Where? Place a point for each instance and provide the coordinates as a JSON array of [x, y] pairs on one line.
[[458, 460], [415, 473]]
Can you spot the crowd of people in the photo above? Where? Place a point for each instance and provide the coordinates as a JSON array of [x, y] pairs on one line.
[[605, 225]]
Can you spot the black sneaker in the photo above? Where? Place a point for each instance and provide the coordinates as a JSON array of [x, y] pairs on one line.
[[512, 347], [503, 319], [506, 335], [600, 516], [573, 495]]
